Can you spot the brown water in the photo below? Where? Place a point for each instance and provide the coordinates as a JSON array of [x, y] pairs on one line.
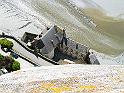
[[106, 38], [110, 27]]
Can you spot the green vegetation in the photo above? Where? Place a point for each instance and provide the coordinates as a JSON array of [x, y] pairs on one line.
[[15, 66], [1, 57], [9, 63], [6, 43], [8, 59]]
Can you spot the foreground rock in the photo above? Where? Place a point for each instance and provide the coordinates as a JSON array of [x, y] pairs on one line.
[[65, 79]]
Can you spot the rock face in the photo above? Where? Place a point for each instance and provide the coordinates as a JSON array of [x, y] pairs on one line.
[[65, 79]]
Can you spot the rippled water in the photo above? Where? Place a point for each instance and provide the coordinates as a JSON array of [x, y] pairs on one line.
[[107, 37], [104, 34]]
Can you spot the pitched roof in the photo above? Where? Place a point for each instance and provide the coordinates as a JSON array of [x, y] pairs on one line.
[[51, 39]]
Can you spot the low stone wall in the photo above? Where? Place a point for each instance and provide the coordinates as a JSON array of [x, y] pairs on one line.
[[75, 49], [29, 50]]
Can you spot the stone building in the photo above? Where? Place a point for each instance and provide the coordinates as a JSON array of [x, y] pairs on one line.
[[56, 39], [51, 40]]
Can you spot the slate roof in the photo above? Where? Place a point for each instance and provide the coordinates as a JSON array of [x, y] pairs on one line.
[[51, 39]]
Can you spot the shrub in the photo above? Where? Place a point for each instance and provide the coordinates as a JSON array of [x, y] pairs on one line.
[[1, 57], [15, 66], [8, 59], [8, 67], [9, 63], [6, 43], [1, 61]]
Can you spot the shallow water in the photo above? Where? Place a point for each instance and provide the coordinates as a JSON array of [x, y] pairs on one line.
[[113, 7], [106, 36]]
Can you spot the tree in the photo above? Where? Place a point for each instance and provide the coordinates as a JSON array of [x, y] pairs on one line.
[[1, 57], [8, 60], [15, 66], [1, 61], [9, 63], [6, 43]]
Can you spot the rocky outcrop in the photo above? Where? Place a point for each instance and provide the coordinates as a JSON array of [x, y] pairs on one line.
[[65, 79]]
